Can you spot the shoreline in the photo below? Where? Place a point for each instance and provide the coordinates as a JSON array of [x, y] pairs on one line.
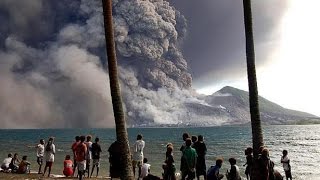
[[36, 176]]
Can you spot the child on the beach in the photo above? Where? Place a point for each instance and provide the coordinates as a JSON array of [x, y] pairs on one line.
[[168, 166], [24, 166], [145, 168], [286, 164], [68, 166]]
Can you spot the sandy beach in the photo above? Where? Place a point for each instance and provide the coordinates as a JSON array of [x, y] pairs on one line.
[[35, 176]]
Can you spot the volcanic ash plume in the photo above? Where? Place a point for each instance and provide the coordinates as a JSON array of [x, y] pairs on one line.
[[61, 82]]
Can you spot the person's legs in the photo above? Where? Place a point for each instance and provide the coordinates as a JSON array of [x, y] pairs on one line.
[[74, 166], [134, 164], [45, 169], [98, 166], [40, 162], [139, 166], [92, 170], [50, 165], [88, 166]]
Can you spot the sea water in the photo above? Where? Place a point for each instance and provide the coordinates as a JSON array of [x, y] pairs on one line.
[[301, 141]]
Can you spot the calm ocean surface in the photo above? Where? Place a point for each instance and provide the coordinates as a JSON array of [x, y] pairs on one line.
[[302, 142]]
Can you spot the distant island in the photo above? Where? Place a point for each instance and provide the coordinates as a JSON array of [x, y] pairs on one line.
[[230, 106]]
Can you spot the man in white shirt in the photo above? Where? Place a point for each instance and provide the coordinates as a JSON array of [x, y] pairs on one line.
[[6, 162], [145, 169], [138, 154], [40, 154], [88, 143]]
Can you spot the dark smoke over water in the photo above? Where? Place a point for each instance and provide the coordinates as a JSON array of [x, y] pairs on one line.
[[59, 80]]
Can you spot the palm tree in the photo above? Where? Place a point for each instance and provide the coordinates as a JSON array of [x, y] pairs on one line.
[[257, 137], [126, 171]]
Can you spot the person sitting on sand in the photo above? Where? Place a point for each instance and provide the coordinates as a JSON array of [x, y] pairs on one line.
[[68, 166], [14, 164], [213, 172], [145, 169], [234, 173], [24, 166], [6, 162]]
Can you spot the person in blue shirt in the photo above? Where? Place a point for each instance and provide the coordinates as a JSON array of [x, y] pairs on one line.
[[213, 172]]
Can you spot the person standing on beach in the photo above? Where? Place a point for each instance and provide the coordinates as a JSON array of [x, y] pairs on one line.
[[138, 154], [286, 164], [40, 154], [168, 166], [73, 148], [89, 153], [81, 153], [201, 149], [114, 156], [190, 159], [266, 165], [249, 162], [194, 139], [183, 146], [95, 150], [50, 151]]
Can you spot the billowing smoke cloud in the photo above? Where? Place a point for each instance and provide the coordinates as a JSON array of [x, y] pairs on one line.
[[60, 81]]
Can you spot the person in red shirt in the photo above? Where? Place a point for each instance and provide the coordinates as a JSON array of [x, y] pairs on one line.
[[68, 165], [73, 148], [80, 154]]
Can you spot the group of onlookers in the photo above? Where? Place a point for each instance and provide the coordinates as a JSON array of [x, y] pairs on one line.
[[14, 164], [192, 164], [84, 151]]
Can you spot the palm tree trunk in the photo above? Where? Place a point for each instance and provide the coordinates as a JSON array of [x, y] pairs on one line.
[[126, 171], [257, 137]]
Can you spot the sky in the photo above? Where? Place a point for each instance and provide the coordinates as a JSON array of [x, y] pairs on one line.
[[286, 37], [52, 58]]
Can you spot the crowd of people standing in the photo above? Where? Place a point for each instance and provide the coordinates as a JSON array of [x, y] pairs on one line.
[[86, 154]]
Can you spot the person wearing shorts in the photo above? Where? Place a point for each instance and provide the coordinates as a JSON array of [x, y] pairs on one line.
[[40, 154], [73, 148], [80, 154], [138, 154], [95, 150], [50, 151]]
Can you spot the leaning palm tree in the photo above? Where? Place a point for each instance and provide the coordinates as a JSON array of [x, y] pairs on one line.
[[126, 171], [257, 137]]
